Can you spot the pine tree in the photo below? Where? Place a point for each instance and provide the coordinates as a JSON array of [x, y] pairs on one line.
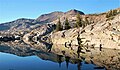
[[59, 26], [86, 21], [78, 21], [111, 13], [114, 12], [67, 25]]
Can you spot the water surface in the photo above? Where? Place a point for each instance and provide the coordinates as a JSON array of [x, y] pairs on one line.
[[10, 61]]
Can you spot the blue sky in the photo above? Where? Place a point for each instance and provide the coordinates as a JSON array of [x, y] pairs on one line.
[[14, 9]]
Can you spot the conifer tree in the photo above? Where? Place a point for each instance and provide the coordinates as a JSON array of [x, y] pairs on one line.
[[67, 25], [86, 21], [59, 26], [111, 13], [78, 21]]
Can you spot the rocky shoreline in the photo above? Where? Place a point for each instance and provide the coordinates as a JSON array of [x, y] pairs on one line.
[[9, 38]]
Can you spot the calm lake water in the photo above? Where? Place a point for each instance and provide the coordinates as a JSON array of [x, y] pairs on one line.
[[10, 60], [13, 62]]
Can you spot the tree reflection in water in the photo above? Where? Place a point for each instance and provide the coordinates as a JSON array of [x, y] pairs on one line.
[[59, 59], [79, 65], [67, 58]]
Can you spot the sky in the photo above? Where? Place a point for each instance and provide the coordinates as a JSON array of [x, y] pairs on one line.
[[14, 9]]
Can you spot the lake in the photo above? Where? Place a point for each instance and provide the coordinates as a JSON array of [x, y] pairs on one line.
[[11, 60], [14, 56]]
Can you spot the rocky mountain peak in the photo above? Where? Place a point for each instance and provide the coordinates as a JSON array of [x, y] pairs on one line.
[[74, 12], [45, 18]]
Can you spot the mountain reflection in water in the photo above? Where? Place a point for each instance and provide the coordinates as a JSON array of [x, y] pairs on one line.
[[15, 56], [12, 58]]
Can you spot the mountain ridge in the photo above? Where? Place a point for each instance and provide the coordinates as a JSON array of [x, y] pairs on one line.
[[42, 19]]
